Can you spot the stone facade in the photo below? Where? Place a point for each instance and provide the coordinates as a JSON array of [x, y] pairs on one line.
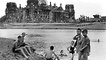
[[37, 11]]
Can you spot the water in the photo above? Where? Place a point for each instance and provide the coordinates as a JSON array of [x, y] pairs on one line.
[[61, 39]]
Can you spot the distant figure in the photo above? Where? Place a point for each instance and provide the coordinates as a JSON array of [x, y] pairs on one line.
[[85, 46], [71, 49], [50, 54], [98, 40], [62, 53]]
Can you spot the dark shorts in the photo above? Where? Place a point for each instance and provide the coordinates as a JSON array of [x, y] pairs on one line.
[[15, 51], [75, 44], [49, 59], [72, 52]]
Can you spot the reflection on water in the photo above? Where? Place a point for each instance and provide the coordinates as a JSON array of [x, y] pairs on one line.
[[61, 39]]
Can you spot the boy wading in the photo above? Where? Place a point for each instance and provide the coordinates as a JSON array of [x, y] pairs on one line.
[[71, 49], [85, 46], [78, 39]]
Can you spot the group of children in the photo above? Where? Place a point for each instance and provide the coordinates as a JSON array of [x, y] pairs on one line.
[[80, 45], [21, 48]]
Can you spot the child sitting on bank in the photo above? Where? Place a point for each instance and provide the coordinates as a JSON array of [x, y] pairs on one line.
[[50, 54], [71, 49], [21, 48]]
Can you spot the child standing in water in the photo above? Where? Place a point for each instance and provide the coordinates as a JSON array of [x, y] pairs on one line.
[[71, 49], [62, 53], [85, 46]]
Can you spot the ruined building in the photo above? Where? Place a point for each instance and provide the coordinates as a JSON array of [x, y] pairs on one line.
[[37, 11]]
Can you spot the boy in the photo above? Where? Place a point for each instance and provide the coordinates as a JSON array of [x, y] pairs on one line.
[[50, 53], [18, 47], [23, 36], [78, 39], [85, 46]]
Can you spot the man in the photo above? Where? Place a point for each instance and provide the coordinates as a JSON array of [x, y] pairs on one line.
[[85, 46], [49, 54]]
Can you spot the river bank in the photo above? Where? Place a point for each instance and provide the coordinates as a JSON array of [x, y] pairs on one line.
[[59, 38], [89, 26], [6, 53]]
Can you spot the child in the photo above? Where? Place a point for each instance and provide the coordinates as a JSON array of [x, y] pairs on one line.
[[49, 54], [85, 46], [22, 49], [71, 49], [17, 45], [62, 53]]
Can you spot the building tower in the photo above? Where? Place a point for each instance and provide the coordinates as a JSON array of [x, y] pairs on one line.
[[11, 8], [70, 8]]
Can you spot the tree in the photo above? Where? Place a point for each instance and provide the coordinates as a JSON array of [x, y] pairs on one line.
[[83, 18]]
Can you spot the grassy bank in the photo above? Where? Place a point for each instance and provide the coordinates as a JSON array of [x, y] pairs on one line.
[[6, 53]]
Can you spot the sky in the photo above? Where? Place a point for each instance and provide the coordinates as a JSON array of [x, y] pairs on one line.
[[82, 7]]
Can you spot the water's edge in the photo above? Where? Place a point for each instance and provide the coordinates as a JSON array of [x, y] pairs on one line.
[[89, 26]]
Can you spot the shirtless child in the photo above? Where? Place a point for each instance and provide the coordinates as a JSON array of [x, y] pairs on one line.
[[71, 49], [50, 54], [62, 53]]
